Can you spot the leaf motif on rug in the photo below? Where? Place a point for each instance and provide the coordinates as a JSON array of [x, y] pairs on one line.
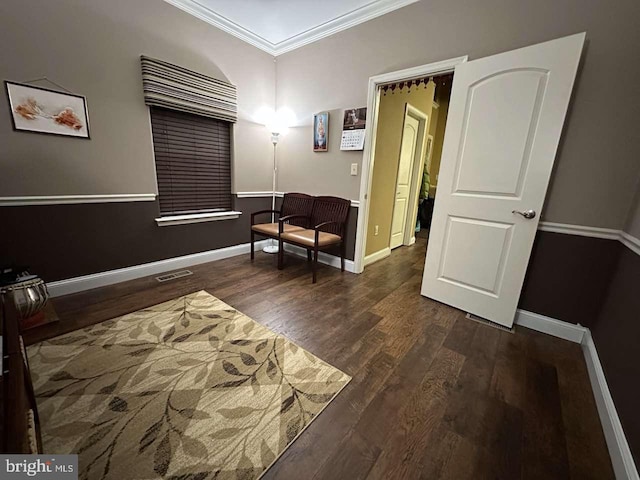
[[189, 389]]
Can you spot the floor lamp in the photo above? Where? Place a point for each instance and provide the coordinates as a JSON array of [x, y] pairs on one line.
[[273, 246]]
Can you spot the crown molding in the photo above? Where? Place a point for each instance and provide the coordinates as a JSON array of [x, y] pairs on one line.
[[348, 20], [343, 22], [206, 14]]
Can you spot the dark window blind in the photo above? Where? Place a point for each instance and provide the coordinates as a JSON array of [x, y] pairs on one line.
[[193, 162]]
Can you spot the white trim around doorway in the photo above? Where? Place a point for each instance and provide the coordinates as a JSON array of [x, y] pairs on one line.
[[373, 97]]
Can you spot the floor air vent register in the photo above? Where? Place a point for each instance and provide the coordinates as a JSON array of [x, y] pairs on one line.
[[174, 275], [489, 323]]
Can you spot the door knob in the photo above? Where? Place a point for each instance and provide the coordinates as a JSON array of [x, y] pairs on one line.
[[528, 214]]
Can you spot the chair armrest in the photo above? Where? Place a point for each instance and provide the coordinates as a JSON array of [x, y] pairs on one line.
[[317, 229], [341, 224], [253, 215], [296, 215], [327, 223], [282, 220]]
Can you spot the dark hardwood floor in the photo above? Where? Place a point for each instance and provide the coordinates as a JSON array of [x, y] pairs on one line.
[[433, 395]]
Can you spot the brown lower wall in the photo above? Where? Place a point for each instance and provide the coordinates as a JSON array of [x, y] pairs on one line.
[[568, 276], [64, 241], [616, 334]]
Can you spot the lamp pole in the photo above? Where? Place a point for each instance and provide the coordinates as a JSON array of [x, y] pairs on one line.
[[273, 247]]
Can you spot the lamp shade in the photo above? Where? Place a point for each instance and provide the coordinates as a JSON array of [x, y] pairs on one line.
[[276, 121]]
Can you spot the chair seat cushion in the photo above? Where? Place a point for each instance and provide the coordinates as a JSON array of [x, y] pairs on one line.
[[271, 229], [307, 237]]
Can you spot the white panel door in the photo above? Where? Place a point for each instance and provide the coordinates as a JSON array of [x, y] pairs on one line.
[[505, 119], [403, 187]]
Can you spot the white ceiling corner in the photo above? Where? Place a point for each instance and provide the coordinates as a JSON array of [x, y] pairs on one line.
[[279, 26]]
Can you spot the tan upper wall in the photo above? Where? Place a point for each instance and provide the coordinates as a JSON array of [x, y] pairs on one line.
[[92, 47], [591, 185]]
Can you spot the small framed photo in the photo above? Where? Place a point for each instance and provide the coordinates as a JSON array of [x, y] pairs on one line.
[[40, 110], [321, 132], [355, 119]]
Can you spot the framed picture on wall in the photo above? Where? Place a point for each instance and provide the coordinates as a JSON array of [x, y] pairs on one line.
[[321, 132], [40, 110]]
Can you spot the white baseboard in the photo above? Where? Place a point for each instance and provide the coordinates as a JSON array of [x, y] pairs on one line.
[[87, 282], [550, 326], [323, 257], [379, 255], [619, 451]]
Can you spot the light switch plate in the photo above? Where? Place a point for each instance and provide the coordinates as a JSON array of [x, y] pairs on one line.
[[354, 169]]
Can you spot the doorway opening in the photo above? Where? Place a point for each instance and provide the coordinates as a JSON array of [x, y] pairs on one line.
[[502, 132], [405, 161]]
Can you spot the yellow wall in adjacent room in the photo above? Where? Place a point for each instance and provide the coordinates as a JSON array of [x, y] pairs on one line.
[[387, 154], [438, 140]]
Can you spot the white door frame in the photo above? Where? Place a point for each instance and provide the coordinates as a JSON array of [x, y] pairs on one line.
[[415, 178], [373, 103]]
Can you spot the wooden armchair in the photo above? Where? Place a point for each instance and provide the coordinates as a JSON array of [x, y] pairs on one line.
[[327, 226], [292, 203]]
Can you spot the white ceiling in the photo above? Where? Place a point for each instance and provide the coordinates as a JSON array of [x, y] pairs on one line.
[[278, 26]]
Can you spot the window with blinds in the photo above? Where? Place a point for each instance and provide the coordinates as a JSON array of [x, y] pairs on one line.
[[193, 162]]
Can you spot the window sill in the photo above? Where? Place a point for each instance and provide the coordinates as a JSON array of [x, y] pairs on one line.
[[196, 218]]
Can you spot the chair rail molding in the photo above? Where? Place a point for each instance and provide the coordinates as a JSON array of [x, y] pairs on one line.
[[73, 199], [257, 194], [354, 203], [628, 240], [581, 230], [631, 242]]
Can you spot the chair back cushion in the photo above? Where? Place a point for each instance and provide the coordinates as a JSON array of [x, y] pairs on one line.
[[330, 209], [297, 204]]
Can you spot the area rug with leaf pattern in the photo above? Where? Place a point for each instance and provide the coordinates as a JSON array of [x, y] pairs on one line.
[[188, 389]]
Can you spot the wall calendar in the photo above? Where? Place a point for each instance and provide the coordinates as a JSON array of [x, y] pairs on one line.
[[353, 129]]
